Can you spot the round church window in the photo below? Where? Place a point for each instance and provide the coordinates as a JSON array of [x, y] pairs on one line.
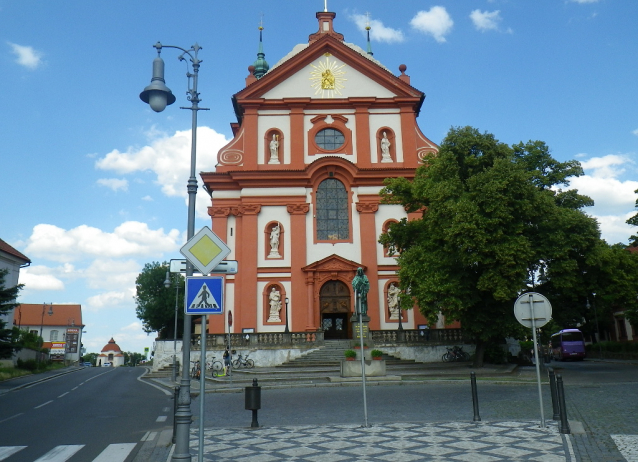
[[329, 139]]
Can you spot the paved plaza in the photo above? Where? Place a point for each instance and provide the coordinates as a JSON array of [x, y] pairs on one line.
[[399, 442]]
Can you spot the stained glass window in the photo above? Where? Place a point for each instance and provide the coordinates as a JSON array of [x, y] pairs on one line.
[[329, 139], [332, 217]]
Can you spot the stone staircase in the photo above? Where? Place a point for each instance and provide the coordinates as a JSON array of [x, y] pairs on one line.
[[331, 354]]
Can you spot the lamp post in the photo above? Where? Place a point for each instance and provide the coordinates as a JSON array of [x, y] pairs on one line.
[[588, 306], [50, 313], [400, 314], [286, 330], [158, 96], [167, 284]]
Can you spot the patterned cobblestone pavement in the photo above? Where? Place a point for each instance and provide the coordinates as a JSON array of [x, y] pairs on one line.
[[399, 442]]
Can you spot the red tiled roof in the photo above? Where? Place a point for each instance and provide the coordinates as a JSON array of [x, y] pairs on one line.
[[4, 247], [111, 346], [30, 314]]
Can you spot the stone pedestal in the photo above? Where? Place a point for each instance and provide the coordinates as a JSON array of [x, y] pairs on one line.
[[374, 368]]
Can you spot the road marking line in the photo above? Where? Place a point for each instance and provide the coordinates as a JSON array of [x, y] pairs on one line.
[[150, 436], [42, 405], [115, 452], [161, 418], [8, 451], [73, 389], [63, 394], [12, 417], [60, 453], [166, 409]]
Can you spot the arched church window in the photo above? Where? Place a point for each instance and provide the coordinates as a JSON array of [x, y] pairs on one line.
[[332, 216], [329, 139]]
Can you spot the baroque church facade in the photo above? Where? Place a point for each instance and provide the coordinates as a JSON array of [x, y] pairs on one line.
[[295, 194]]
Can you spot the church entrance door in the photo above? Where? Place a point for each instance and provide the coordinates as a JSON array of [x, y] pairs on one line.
[[334, 300]]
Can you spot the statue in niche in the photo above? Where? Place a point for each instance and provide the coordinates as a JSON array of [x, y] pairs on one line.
[[274, 241], [274, 149], [274, 300], [385, 149], [393, 301]]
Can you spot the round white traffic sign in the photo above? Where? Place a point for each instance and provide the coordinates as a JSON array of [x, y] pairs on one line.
[[532, 305]]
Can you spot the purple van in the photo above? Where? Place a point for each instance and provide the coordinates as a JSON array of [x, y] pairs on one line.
[[568, 344]]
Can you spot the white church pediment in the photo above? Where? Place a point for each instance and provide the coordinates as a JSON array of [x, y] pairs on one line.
[[328, 77]]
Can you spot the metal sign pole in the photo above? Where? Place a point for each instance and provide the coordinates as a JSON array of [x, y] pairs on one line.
[[538, 373], [363, 363], [202, 387]]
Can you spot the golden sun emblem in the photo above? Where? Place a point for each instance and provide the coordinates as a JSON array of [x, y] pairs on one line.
[[327, 78]]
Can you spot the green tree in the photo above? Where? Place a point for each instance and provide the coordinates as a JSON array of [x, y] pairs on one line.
[[8, 296], [156, 303], [488, 231], [131, 359], [90, 357], [633, 240]]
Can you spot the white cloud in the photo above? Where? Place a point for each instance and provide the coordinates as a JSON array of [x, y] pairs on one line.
[[607, 166], [26, 56], [485, 20], [378, 32], [133, 327], [584, 1], [131, 238], [107, 300], [613, 195], [114, 183], [169, 158], [37, 278], [147, 198], [635, 132], [614, 229], [435, 22]]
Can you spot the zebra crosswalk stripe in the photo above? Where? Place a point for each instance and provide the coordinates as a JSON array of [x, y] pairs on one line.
[[115, 452], [60, 453], [8, 451]]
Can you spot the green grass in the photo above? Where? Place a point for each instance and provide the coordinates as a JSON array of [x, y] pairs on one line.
[[7, 373]]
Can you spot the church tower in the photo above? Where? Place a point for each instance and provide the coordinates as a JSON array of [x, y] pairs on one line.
[[295, 194]]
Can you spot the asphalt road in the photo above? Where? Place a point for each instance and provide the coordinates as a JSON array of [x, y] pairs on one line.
[[93, 407], [601, 395]]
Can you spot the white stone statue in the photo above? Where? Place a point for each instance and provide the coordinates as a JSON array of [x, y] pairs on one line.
[[385, 149], [393, 301], [274, 300], [274, 241], [274, 149]]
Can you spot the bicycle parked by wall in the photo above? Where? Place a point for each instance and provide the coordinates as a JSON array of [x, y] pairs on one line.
[[455, 353], [243, 361], [218, 369]]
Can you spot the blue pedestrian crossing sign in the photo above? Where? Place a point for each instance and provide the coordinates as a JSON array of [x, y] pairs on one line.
[[204, 295]]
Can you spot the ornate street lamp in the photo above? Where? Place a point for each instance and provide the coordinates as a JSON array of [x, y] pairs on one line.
[[158, 96], [167, 284]]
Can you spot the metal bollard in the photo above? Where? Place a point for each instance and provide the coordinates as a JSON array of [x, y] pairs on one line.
[[552, 388], [477, 417], [253, 401], [564, 424], [175, 395]]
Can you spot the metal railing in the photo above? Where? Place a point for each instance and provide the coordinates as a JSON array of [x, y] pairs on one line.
[[260, 340], [417, 336]]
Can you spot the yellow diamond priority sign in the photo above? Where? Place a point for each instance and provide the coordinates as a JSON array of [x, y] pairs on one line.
[[205, 250]]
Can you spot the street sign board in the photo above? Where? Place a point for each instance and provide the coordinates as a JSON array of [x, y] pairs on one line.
[[204, 295], [205, 250], [532, 302], [224, 267]]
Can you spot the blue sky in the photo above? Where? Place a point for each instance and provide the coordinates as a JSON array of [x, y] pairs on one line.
[[93, 183]]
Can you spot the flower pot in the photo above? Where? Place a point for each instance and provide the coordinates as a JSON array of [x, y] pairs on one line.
[[377, 358], [350, 359]]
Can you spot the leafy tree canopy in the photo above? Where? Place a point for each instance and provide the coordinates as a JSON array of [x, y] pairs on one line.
[[494, 225], [156, 303], [8, 296]]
